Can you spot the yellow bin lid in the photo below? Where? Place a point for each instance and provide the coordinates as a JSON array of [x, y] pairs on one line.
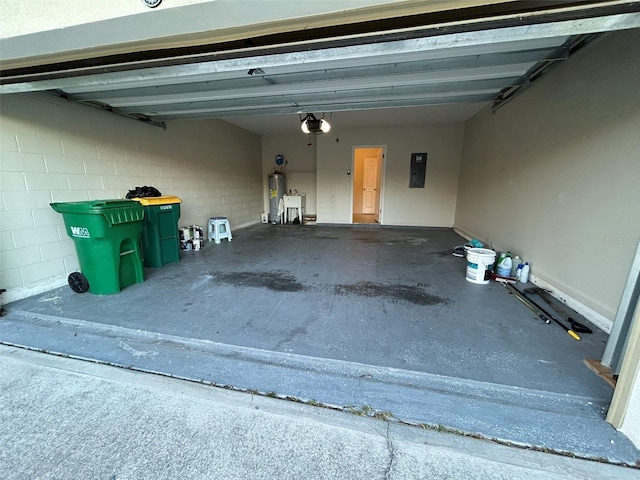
[[163, 200]]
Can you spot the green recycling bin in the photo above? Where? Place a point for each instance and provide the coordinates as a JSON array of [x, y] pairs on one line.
[[106, 234], [160, 240]]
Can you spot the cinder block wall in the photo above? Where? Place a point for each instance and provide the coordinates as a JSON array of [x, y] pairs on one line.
[[54, 151]]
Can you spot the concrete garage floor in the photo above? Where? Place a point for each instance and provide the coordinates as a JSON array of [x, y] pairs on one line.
[[380, 321]]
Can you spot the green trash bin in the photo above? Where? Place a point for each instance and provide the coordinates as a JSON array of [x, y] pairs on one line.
[[106, 234], [160, 239]]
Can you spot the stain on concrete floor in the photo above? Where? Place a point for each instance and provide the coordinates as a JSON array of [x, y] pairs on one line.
[[281, 281], [278, 281], [415, 294]]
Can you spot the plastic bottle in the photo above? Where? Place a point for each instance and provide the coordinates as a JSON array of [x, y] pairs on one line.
[[499, 261], [516, 261], [504, 267], [524, 275], [519, 272]]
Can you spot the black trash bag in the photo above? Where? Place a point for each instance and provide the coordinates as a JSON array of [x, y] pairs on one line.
[[145, 191]]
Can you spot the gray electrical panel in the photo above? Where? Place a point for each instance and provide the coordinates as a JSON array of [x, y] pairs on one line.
[[418, 170]]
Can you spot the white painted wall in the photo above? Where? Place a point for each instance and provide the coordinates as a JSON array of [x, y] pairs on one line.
[[554, 175], [119, 26], [54, 151], [20, 18], [432, 206], [301, 165]]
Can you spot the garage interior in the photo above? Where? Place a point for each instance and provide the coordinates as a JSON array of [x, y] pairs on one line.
[[530, 129]]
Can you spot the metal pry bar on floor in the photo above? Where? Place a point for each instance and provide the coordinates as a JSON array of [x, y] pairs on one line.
[[575, 325], [514, 291], [534, 308]]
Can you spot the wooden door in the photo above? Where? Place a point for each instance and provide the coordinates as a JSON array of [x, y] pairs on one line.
[[370, 186]]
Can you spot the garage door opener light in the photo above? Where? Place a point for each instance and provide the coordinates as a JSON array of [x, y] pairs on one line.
[[311, 124]]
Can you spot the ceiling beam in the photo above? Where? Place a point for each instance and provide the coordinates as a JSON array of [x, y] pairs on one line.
[[327, 107], [342, 28], [461, 77], [388, 96], [473, 64], [459, 44]]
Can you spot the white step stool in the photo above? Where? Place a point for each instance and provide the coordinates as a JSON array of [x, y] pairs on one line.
[[219, 228]]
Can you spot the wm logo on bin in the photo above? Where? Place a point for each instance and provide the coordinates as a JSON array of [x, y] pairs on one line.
[[80, 232]]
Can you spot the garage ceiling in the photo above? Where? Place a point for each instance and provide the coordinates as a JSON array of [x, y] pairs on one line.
[[415, 67], [396, 74]]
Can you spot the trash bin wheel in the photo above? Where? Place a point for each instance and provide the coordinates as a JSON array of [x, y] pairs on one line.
[[78, 282]]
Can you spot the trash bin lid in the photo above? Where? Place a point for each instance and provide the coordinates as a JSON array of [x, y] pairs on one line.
[[163, 200], [91, 206], [115, 211]]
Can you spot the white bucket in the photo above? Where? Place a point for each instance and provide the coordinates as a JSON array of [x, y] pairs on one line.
[[479, 264]]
